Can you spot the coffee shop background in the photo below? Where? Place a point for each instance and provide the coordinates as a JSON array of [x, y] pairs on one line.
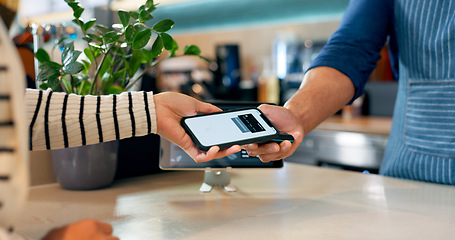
[[270, 43]]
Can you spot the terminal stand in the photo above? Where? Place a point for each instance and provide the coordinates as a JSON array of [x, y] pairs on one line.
[[217, 177]]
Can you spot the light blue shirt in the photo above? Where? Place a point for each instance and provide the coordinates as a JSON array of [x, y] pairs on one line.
[[421, 35]]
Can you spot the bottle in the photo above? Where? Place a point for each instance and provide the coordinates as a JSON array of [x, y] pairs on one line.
[[269, 84]]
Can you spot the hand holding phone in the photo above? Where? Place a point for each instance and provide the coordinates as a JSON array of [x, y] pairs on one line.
[[228, 128]]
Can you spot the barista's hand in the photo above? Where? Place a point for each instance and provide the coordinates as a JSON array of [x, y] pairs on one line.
[[170, 108], [86, 229], [286, 122]]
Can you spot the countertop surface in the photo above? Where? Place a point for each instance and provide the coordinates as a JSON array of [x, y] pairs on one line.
[[362, 124], [295, 202]]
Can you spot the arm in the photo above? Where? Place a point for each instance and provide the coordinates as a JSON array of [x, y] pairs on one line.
[[58, 120], [335, 78], [324, 91]]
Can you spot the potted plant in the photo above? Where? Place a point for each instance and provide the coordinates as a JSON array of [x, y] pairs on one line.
[[109, 64]]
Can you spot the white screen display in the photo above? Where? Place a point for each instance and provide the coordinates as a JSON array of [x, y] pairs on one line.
[[229, 127]]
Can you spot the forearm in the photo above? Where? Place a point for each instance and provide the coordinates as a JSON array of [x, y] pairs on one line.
[[58, 120], [323, 92]]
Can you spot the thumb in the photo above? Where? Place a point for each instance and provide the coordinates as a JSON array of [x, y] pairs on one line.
[[203, 107], [270, 111], [279, 116]]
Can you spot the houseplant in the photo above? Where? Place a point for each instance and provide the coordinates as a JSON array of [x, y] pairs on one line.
[[109, 64], [113, 56]]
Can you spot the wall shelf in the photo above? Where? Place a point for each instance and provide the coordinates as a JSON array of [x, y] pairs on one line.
[[214, 15]]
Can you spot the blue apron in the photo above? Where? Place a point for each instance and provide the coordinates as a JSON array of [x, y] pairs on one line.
[[422, 140]]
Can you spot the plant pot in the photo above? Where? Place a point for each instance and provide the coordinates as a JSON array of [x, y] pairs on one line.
[[87, 167]]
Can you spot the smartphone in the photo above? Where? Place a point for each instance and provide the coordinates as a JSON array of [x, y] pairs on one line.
[[228, 128]]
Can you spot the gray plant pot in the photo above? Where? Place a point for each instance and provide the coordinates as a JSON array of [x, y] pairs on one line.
[[86, 167]]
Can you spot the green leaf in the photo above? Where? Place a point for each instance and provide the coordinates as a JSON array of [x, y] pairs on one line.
[[97, 48], [61, 40], [134, 15], [106, 81], [174, 49], [42, 56], [53, 82], [96, 52], [84, 88], [118, 50], [124, 17], [87, 66], [110, 37], [151, 9], [131, 31], [78, 12], [168, 41], [142, 38], [102, 29], [157, 47], [149, 4], [144, 16], [89, 24], [87, 39], [76, 80], [66, 80], [94, 36], [107, 64], [49, 73], [191, 50], [44, 86], [69, 47], [115, 90], [120, 74], [147, 56], [73, 4], [48, 70], [69, 55], [135, 62], [73, 68], [163, 25], [89, 54]]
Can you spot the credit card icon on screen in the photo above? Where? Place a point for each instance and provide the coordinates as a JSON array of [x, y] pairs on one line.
[[247, 123]]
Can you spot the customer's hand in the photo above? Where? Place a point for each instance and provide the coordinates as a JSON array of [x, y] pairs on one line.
[[286, 122], [170, 108], [86, 229]]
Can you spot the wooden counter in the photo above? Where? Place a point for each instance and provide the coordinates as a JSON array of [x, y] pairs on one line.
[[363, 124], [296, 202]]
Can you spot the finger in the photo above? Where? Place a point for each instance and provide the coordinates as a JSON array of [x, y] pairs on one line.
[[251, 146], [228, 151], [285, 146], [215, 153], [286, 150], [268, 148], [105, 227], [206, 156], [265, 158], [268, 110]]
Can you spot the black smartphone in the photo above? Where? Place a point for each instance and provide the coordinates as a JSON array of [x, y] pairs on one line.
[[228, 128]]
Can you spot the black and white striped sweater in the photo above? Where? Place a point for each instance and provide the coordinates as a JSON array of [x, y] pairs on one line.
[[58, 120]]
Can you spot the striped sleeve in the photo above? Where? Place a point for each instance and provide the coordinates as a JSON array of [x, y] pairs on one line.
[[14, 168], [58, 120]]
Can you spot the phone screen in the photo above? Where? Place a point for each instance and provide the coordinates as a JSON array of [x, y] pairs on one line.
[[229, 127]]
